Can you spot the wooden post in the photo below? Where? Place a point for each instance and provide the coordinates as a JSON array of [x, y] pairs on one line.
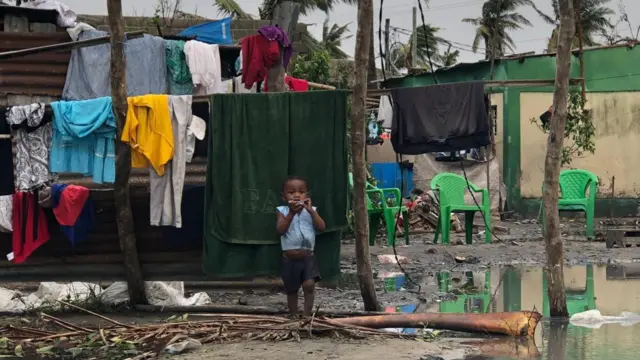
[[124, 217], [285, 15], [387, 54], [363, 259], [551, 230], [414, 38]]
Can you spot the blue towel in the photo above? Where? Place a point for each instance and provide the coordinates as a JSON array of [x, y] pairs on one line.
[[212, 32], [83, 141]]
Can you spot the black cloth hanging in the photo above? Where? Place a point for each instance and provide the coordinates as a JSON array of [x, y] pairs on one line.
[[440, 118], [6, 156]]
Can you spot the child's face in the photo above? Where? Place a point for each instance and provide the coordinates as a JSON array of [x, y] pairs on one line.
[[295, 190]]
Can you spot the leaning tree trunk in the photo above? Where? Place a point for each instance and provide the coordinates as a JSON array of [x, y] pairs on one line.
[[552, 237], [363, 259], [124, 217]]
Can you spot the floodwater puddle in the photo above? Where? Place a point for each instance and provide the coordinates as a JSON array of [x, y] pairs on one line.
[[613, 290]]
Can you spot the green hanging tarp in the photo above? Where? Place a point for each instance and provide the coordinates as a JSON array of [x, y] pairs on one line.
[[256, 141]]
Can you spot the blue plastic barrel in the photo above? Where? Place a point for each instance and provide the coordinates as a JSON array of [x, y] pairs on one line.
[[389, 176]]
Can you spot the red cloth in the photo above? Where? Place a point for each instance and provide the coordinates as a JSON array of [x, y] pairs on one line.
[[258, 55], [296, 84], [72, 200], [29, 226]]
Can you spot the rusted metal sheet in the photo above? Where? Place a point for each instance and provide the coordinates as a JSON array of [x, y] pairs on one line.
[[517, 324], [33, 15], [42, 74]]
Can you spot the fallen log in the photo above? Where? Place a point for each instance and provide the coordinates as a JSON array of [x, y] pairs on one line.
[[517, 324]]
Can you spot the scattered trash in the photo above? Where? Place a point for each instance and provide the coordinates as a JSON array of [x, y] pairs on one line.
[[182, 346], [393, 281], [391, 259], [466, 260], [593, 319], [423, 214], [49, 294]]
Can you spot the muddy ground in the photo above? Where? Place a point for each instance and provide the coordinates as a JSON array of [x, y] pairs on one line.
[[521, 247]]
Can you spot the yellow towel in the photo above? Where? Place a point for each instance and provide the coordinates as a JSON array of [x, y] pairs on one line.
[[149, 132]]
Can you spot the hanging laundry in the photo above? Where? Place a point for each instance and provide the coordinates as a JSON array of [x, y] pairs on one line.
[[74, 32], [258, 55], [73, 210], [29, 225], [149, 132], [447, 118], [212, 32], [6, 176], [240, 89], [226, 87], [88, 71], [83, 142], [197, 130], [275, 33], [204, 63], [33, 137], [297, 85], [166, 190], [385, 112], [179, 76], [66, 16], [238, 63]]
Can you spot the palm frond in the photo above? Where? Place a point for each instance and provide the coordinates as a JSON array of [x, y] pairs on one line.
[[231, 8]]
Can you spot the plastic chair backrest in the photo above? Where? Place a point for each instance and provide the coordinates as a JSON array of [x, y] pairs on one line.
[[367, 197], [574, 183], [452, 188]]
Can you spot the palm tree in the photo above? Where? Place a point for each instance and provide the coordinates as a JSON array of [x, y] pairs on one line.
[[499, 17], [448, 58], [332, 38], [233, 9], [400, 54], [594, 19]]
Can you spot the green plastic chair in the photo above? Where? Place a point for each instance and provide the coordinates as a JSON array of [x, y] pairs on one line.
[[468, 302], [451, 189], [383, 210], [573, 195]]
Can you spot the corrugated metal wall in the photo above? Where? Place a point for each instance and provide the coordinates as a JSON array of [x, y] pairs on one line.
[[163, 256]]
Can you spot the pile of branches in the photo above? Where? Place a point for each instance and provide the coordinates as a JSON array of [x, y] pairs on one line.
[[147, 341]]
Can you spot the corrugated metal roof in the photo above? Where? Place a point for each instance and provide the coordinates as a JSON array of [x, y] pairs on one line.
[[40, 74], [33, 15]]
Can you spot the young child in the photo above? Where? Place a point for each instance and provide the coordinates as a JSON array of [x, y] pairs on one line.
[[297, 224]]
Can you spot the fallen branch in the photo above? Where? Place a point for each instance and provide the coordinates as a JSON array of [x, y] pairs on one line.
[[248, 310]]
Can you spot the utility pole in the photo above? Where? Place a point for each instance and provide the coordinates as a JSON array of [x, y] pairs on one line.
[[551, 228], [363, 259], [414, 38], [286, 16], [387, 55], [124, 217]]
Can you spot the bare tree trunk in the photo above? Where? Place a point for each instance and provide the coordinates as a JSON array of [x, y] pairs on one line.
[[552, 237], [124, 217], [363, 259]]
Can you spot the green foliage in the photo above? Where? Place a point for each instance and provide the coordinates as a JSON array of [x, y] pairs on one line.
[[579, 130], [312, 67]]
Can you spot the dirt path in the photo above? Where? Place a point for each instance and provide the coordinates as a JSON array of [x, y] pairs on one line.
[[326, 349]]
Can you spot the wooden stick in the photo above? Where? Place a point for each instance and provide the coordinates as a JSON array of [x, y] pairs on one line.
[[96, 315], [65, 46]]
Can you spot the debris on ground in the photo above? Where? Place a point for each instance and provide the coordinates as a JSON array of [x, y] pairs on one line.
[[392, 259], [62, 338], [423, 215]]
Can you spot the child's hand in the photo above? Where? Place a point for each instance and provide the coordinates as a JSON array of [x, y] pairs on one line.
[[307, 205], [295, 206]]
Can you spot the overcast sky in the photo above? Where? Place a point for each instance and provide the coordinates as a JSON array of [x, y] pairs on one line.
[[445, 14]]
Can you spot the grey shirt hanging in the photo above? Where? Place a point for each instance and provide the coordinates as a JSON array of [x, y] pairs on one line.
[[439, 118], [33, 141]]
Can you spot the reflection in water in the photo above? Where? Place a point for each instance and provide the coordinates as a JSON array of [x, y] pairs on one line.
[[557, 340], [611, 290]]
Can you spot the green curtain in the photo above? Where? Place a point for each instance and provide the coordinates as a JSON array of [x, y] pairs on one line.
[[256, 140]]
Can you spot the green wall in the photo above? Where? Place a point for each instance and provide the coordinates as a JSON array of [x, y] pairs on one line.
[[609, 69]]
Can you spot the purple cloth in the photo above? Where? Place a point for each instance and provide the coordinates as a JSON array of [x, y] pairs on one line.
[[271, 33]]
